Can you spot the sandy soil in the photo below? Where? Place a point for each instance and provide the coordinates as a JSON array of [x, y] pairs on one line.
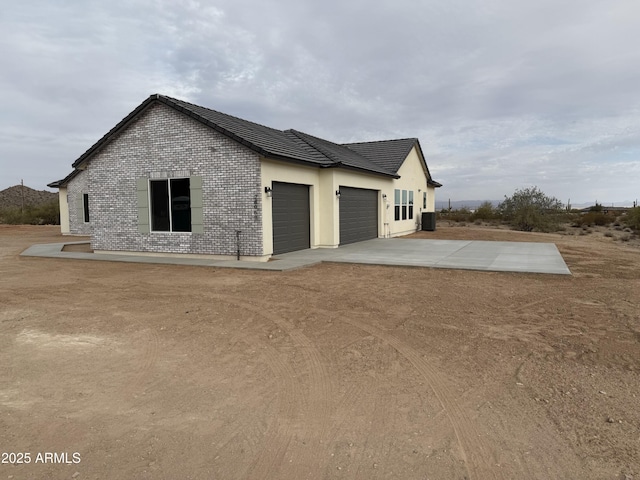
[[333, 371]]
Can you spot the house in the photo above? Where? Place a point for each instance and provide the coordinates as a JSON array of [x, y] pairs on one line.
[[177, 178]]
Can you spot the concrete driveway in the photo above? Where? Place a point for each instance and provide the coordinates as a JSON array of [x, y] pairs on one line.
[[457, 254]]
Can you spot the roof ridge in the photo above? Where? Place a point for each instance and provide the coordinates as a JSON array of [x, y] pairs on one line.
[[291, 145], [233, 126], [381, 141], [338, 153], [323, 151], [234, 117]]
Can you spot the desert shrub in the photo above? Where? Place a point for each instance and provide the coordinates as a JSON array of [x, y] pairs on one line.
[[594, 218], [608, 234], [530, 209], [596, 208], [45, 214], [632, 218], [484, 212], [459, 215], [12, 216]]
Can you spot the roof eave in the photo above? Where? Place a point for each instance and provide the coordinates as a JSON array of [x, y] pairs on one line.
[[214, 126], [297, 161], [431, 182], [114, 131], [142, 108], [64, 181], [361, 170]]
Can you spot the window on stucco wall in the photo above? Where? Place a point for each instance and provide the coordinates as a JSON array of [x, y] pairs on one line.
[[403, 202], [410, 204], [397, 204]]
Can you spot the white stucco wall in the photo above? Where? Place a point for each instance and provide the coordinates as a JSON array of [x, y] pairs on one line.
[[413, 177], [276, 171], [325, 207], [64, 210]]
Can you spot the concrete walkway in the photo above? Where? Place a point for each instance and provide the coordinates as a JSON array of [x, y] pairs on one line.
[[524, 257]]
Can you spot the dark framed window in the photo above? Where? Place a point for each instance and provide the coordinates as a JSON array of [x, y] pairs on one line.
[[397, 204], [424, 200], [404, 204], [170, 202], [410, 203], [85, 207]]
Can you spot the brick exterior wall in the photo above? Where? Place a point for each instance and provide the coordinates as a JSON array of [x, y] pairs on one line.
[[78, 186], [163, 143]]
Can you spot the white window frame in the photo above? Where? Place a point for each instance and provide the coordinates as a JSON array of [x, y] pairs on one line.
[[410, 205]]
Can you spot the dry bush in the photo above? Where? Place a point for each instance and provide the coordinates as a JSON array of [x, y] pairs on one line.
[[632, 218], [594, 218]]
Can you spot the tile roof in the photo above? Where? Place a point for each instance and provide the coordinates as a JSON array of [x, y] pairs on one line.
[[391, 154], [381, 158], [387, 154], [340, 154], [265, 140]]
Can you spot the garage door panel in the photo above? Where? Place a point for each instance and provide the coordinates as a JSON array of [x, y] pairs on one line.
[[291, 217], [358, 214]]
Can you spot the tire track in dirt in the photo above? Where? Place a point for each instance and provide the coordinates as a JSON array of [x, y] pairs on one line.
[[515, 307], [230, 436], [7, 368], [381, 419], [318, 401], [273, 443], [386, 410], [141, 377], [278, 436], [349, 402], [242, 429], [475, 454], [474, 451]]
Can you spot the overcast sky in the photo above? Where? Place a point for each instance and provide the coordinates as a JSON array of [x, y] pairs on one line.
[[503, 94]]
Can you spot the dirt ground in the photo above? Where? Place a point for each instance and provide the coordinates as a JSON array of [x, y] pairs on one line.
[[333, 371]]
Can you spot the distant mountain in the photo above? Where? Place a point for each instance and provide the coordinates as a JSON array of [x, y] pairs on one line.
[[13, 197], [625, 203], [468, 204], [473, 204]]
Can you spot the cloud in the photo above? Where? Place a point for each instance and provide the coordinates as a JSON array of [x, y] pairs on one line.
[[501, 94]]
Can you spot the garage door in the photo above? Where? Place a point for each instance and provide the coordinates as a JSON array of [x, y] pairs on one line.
[[290, 211], [358, 214]]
